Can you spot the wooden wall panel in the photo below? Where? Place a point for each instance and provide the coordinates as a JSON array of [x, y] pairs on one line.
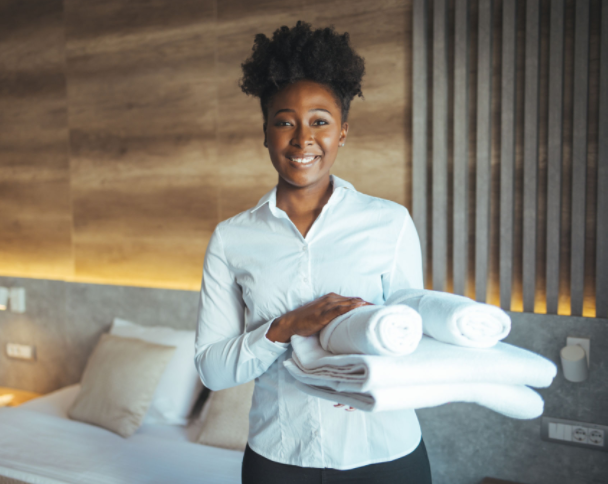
[[590, 292], [579, 154], [601, 286], [440, 145], [531, 100], [554, 152], [420, 117], [484, 150], [507, 153], [142, 114], [461, 147], [35, 211]]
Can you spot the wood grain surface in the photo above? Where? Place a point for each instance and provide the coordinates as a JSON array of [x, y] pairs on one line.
[[125, 139], [36, 217]]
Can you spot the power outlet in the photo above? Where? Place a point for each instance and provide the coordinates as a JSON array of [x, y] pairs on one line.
[[579, 434], [23, 352], [596, 437]]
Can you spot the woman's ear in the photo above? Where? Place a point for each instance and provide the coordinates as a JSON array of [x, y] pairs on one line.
[[265, 143], [343, 132]]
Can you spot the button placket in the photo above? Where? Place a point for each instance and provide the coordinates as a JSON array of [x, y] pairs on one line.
[[305, 264]]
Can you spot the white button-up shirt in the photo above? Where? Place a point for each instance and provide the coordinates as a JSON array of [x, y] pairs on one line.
[[259, 267]]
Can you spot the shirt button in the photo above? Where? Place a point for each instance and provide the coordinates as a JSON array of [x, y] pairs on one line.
[[305, 279], [304, 247]]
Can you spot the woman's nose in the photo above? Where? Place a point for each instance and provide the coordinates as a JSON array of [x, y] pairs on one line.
[[303, 137]]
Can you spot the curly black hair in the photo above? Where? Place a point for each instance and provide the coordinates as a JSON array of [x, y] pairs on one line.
[[320, 55]]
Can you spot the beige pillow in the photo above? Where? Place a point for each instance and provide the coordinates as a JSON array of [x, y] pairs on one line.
[[118, 383], [225, 417]]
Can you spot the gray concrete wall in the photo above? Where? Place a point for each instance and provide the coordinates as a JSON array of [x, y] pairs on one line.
[[465, 442], [64, 321]]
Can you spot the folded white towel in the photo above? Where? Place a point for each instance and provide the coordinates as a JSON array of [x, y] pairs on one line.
[[433, 362], [514, 401], [456, 319], [374, 330]]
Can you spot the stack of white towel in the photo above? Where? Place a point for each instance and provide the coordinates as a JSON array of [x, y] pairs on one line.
[[376, 358]]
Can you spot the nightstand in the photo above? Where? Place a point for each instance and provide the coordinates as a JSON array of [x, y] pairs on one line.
[[18, 396]]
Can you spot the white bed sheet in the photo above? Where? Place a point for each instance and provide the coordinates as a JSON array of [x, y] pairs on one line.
[[39, 444]]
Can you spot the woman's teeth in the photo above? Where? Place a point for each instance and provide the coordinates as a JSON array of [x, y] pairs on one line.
[[303, 160]]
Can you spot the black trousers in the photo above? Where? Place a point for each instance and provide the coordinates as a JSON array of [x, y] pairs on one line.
[[413, 468]]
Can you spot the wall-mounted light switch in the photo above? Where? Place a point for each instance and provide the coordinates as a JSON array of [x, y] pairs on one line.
[[23, 352], [17, 297], [4, 292]]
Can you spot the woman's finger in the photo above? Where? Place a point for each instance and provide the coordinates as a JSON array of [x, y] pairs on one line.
[[346, 306], [350, 409], [338, 405]]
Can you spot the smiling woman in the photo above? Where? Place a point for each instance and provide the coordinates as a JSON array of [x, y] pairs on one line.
[[312, 249], [302, 142], [306, 80]]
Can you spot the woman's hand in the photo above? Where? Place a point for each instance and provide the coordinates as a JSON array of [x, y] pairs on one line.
[[312, 317]]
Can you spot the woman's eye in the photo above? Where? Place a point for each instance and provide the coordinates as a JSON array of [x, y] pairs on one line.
[[283, 123]]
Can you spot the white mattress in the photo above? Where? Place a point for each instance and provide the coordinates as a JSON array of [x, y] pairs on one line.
[[39, 444]]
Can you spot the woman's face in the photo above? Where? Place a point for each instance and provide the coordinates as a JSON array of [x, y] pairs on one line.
[[303, 132]]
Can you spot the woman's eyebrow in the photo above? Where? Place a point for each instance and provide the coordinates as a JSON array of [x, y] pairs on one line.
[[293, 111]]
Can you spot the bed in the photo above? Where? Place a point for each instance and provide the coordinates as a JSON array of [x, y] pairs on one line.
[[39, 444]]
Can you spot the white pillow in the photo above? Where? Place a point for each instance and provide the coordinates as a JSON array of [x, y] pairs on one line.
[[180, 384]]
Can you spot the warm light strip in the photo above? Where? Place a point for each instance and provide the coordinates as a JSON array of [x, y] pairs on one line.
[[516, 304]]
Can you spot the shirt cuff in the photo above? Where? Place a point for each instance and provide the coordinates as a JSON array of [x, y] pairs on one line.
[[261, 347], [278, 343]]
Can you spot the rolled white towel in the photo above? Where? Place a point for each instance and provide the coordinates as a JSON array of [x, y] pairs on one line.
[[374, 330], [456, 319], [433, 362], [515, 401]]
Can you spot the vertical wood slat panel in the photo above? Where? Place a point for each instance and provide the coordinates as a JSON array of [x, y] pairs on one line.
[[440, 144], [554, 152], [579, 154], [484, 147], [507, 154], [419, 122], [601, 286], [530, 153], [461, 146]]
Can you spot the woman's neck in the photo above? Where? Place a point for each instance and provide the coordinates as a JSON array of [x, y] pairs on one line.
[[303, 205]]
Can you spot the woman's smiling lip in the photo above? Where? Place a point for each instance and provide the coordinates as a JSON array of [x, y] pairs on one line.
[[293, 159]]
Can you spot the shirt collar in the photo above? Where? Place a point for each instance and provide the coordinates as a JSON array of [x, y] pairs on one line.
[[271, 196]]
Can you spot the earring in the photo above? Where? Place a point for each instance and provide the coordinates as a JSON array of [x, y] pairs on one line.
[[341, 145]]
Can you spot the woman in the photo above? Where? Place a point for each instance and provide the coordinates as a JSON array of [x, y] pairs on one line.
[[311, 249]]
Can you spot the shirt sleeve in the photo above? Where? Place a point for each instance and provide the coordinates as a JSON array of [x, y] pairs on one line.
[[406, 271], [225, 354]]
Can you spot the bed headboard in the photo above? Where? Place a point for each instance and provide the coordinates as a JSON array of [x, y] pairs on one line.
[[64, 320]]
